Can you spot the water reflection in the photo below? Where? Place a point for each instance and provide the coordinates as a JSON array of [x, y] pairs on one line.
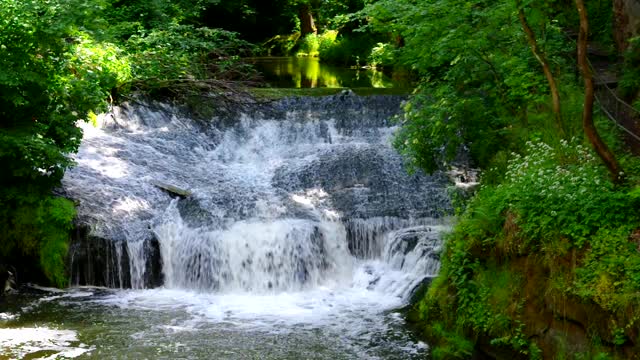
[[303, 72]]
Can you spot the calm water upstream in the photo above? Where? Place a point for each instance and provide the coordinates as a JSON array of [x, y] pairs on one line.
[[305, 72], [301, 237]]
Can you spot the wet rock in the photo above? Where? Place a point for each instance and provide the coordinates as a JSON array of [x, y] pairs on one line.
[[194, 214], [8, 278], [369, 181], [421, 289], [99, 261]]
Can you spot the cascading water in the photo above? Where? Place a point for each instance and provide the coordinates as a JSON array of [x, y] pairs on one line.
[[300, 210]]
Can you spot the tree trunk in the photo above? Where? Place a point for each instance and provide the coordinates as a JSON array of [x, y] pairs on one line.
[[590, 130], [626, 22], [307, 25], [553, 87], [399, 41]]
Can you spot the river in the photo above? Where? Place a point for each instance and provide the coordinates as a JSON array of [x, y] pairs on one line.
[[298, 234]]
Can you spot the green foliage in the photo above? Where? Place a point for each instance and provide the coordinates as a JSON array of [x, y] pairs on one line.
[[382, 54], [258, 20], [281, 45], [630, 81], [127, 18], [562, 192], [183, 52], [481, 82], [62, 61], [39, 230], [552, 193], [519, 342], [552, 200], [543, 199], [313, 44], [611, 269], [54, 223], [51, 75], [454, 346], [354, 49]]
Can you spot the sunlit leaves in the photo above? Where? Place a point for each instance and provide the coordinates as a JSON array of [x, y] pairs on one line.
[[479, 77], [182, 51], [51, 75], [62, 61]]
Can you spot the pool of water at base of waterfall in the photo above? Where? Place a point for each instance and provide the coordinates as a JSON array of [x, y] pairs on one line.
[[98, 323]]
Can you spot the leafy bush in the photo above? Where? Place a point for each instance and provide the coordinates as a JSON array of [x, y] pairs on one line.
[[382, 54], [183, 52], [38, 230], [128, 18], [51, 75], [564, 192], [359, 48], [309, 46], [552, 200], [281, 45], [312, 44], [353, 49]]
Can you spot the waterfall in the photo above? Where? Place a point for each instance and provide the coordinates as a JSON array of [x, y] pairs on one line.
[[298, 195], [254, 256]]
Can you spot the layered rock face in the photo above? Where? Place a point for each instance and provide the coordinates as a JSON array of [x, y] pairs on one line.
[[283, 196]]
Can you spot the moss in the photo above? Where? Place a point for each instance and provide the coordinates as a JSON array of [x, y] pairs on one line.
[[280, 93], [36, 241], [56, 222]]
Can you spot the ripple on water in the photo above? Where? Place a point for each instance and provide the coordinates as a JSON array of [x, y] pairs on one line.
[[326, 323]]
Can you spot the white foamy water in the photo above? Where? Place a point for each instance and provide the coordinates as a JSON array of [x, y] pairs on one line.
[[20, 342], [301, 220]]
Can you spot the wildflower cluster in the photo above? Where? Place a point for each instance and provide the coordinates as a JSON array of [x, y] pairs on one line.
[[563, 191]]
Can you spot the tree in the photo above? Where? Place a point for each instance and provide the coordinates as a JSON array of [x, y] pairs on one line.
[[51, 75], [590, 130], [546, 68], [307, 24], [478, 82]]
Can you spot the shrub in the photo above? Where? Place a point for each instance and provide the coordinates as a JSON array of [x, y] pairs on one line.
[[353, 49], [382, 54], [552, 200], [564, 192], [183, 52]]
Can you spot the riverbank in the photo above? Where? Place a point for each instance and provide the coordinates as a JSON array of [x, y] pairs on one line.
[[543, 265]]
